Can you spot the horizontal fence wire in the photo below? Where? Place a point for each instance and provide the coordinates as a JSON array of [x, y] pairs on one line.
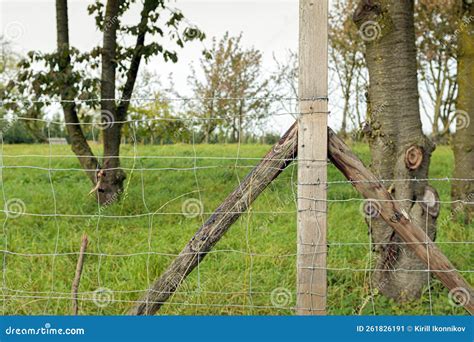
[[155, 99]]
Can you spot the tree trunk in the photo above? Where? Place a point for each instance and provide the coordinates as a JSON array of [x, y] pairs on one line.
[[463, 142], [78, 141], [111, 176], [436, 117], [345, 113], [398, 147]]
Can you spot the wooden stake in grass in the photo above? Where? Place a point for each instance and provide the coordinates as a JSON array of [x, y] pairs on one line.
[[77, 276]]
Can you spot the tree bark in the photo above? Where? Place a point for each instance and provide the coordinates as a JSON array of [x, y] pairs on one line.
[[78, 141], [113, 114], [463, 142], [78, 274], [111, 177], [398, 147]]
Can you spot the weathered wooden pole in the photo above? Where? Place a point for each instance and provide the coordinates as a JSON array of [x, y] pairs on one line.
[[312, 158]]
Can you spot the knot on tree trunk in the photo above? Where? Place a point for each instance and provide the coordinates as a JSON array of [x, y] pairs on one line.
[[413, 157]]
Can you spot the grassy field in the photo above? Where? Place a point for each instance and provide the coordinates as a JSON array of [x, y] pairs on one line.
[[255, 259]]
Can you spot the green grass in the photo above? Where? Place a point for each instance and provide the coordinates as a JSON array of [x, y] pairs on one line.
[[255, 257]]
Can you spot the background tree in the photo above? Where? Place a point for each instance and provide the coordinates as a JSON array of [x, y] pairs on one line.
[[437, 62], [157, 121], [232, 96], [347, 60], [70, 75], [398, 147], [8, 61], [27, 131], [463, 142], [7, 65], [286, 79]]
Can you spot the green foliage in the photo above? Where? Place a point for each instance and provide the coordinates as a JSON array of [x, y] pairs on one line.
[[157, 121], [41, 76], [154, 123], [233, 97], [16, 133]]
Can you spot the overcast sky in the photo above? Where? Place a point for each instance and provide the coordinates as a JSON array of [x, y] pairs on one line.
[[271, 26], [268, 25]]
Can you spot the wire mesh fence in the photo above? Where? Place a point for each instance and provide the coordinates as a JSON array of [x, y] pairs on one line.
[[169, 192]]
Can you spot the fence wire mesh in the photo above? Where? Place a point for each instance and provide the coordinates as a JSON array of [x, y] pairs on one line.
[[169, 193]]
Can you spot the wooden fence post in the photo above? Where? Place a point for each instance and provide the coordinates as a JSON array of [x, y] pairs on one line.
[[312, 158]]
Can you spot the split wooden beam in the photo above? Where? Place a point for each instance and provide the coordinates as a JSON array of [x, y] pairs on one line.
[[281, 155]]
